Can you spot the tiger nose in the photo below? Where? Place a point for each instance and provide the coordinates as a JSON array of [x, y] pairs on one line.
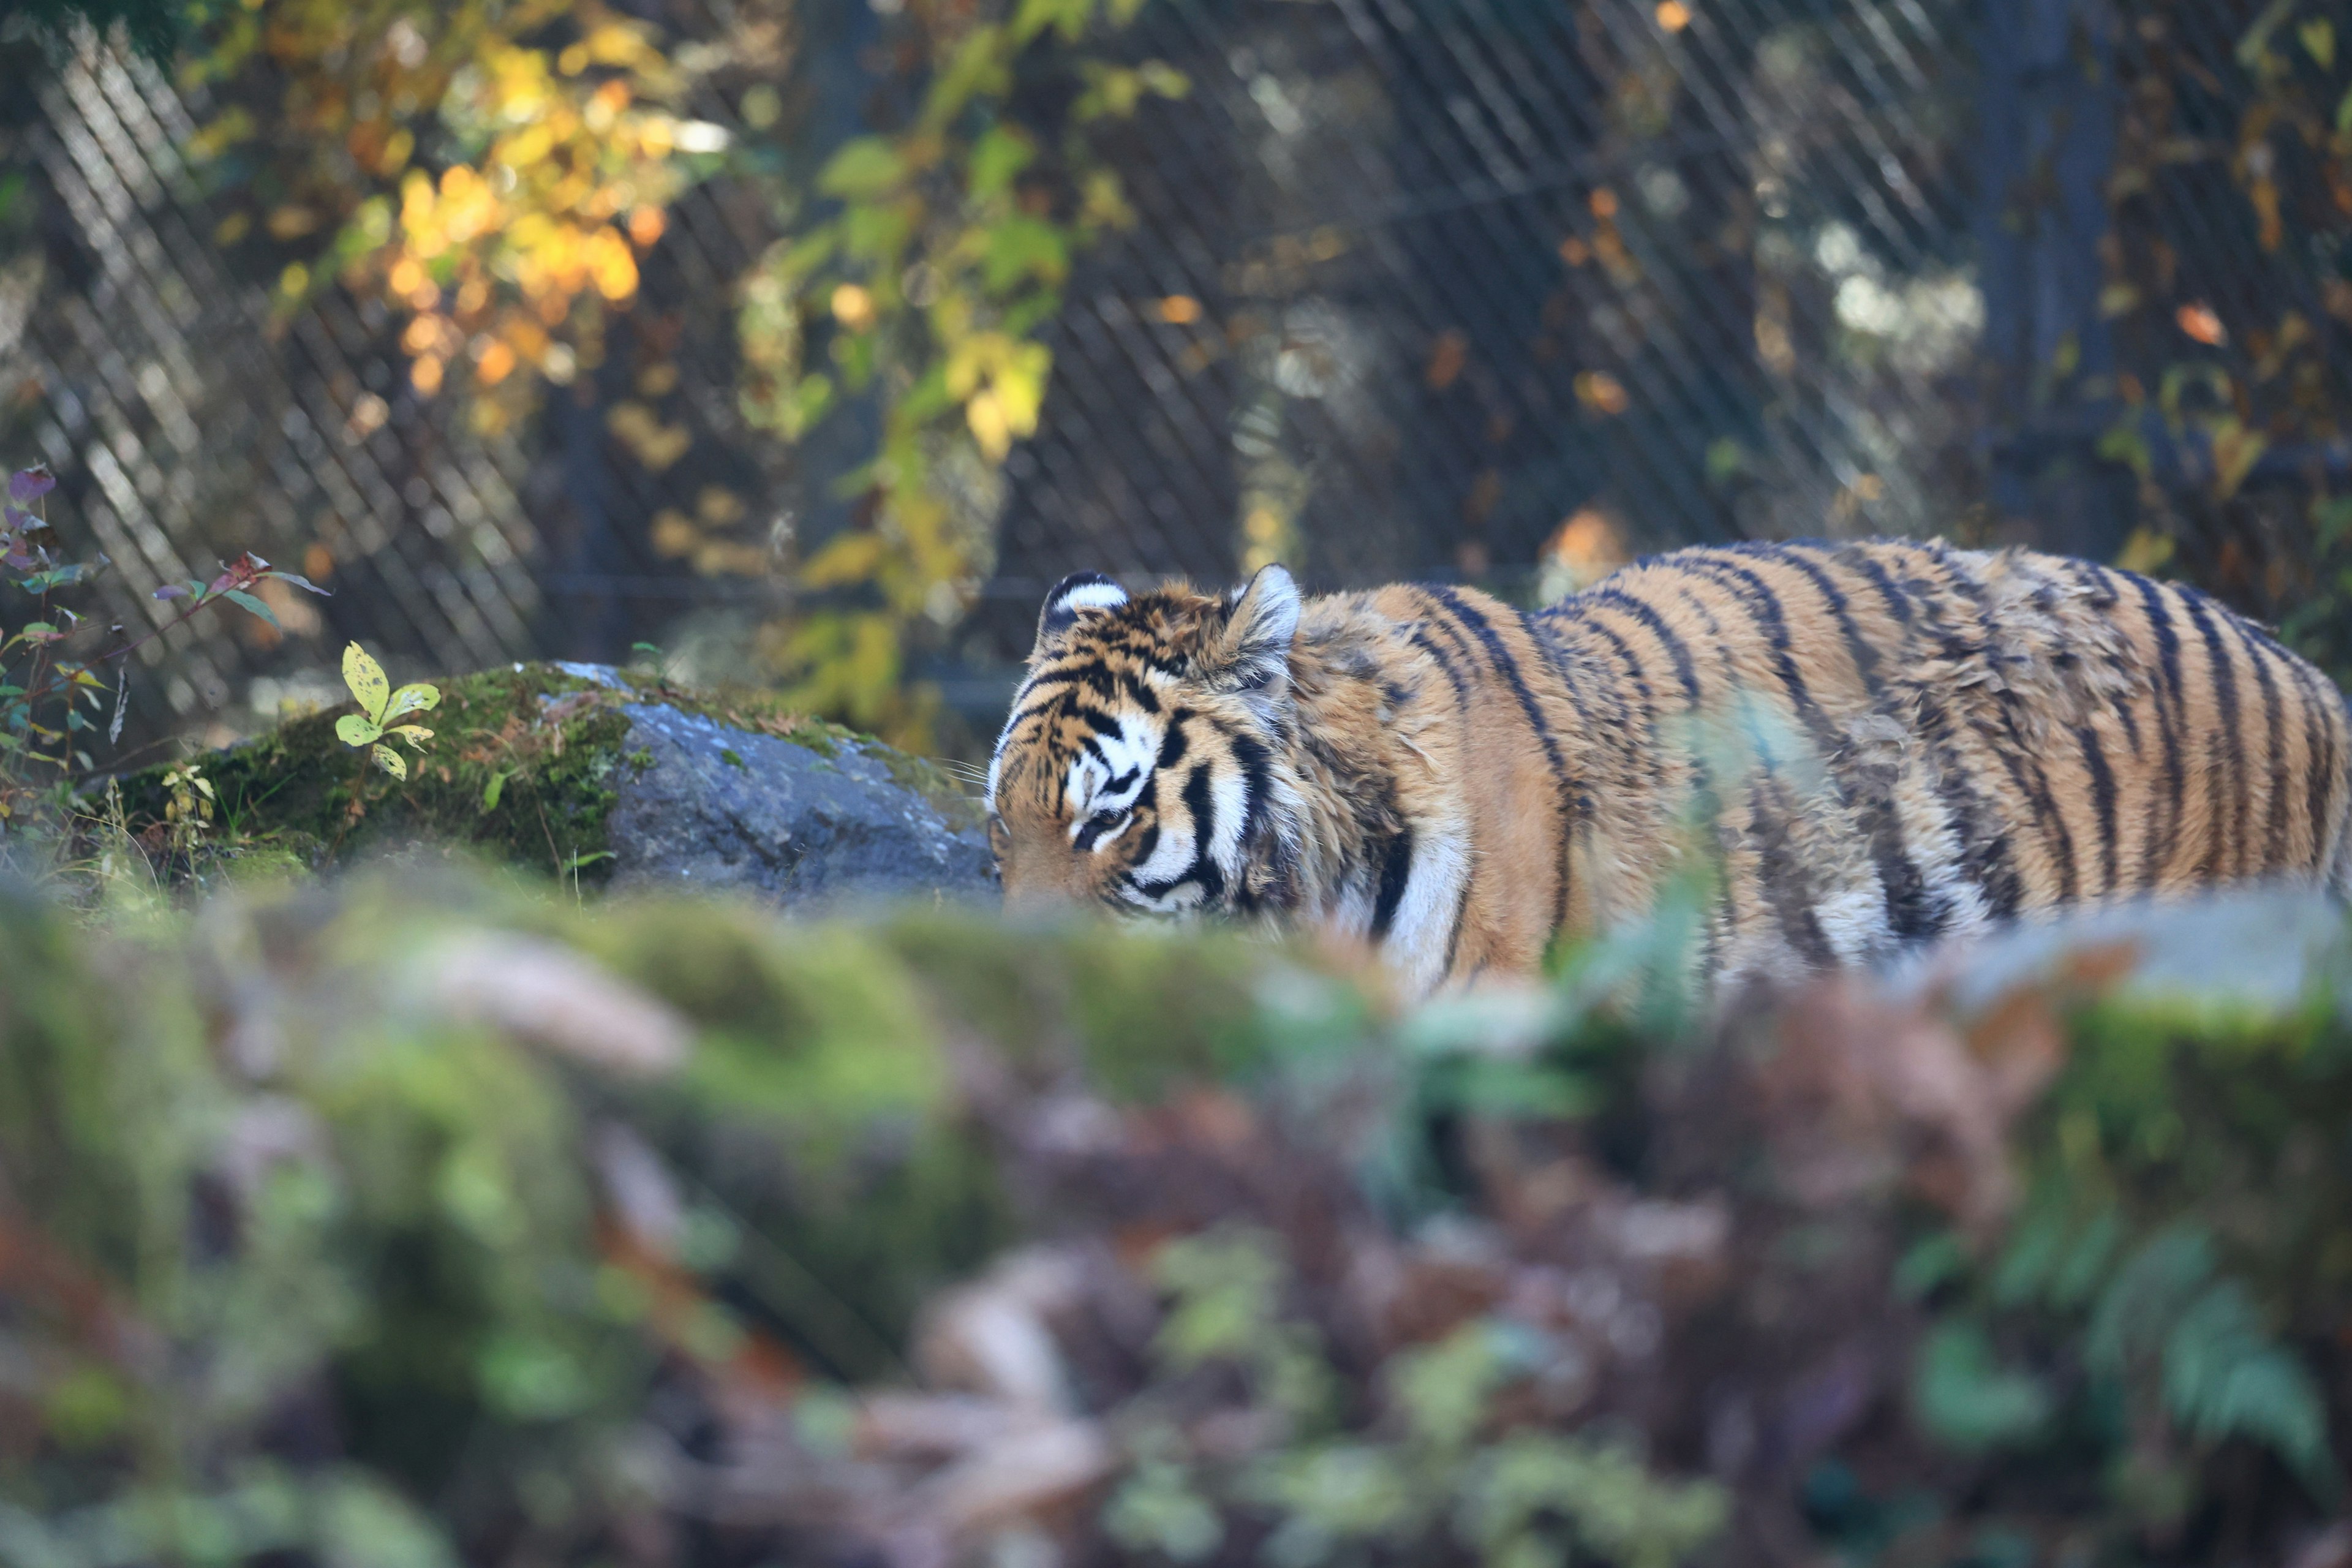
[[1027, 897]]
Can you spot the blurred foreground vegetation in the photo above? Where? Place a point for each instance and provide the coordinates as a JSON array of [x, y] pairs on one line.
[[423, 1216]]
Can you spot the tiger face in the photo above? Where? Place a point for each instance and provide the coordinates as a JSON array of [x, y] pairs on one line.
[[1140, 767]]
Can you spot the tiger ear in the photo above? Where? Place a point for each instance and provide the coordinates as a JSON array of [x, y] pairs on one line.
[[1079, 591], [1252, 652]]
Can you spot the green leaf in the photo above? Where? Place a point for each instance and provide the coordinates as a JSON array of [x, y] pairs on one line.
[[2318, 37], [2146, 1296], [2124, 444], [1967, 1398], [354, 730], [414, 698], [865, 167], [979, 70], [1021, 247], [1035, 17], [808, 255], [2257, 38], [577, 860], [251, 605], [1002, 153], [389, 761], [497, 788], [2223, 1378], [365, 677]]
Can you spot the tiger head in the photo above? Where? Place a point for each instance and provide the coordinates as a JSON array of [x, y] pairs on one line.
[[1143, 765]]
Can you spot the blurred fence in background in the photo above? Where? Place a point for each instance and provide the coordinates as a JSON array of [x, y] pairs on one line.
[[1490, 290]]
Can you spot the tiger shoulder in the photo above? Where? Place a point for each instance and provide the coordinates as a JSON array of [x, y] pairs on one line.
[[1866, 745]]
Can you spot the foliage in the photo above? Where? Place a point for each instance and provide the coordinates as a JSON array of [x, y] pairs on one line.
[[490, 170], [555, 1213], [380, 708], [2231, 379], [925, 292], [493, 171], [1443, 1479], [2154, 1299], [52, 694]]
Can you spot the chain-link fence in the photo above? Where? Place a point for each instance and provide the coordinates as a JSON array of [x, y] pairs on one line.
[[1496, 290]]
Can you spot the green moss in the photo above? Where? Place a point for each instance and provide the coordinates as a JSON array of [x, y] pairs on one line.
[[524, 767]]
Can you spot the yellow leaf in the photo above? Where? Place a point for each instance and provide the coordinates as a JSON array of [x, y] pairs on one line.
[[2319, 37], [414, 698], [389, 761], [365, 677], [991, 425], [2235, 451], [848, 558]]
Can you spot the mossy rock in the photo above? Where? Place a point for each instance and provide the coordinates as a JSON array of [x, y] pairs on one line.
[[595, 776]]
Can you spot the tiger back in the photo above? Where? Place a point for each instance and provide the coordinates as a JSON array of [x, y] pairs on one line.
[[1864, 746]]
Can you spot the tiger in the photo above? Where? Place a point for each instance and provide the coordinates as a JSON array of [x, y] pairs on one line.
[[1867, 746]]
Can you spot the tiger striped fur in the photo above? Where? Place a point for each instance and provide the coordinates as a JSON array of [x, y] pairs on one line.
[[1874, 743]]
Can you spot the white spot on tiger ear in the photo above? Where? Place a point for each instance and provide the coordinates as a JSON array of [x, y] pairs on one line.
[[1077, 591], [1255, 651]]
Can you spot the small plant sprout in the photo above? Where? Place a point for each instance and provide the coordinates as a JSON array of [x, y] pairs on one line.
[[188, 808], [381, 710]]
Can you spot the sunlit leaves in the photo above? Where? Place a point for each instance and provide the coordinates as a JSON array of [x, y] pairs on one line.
[[466, 163], [380, 708], [939, 260], [865, 168]]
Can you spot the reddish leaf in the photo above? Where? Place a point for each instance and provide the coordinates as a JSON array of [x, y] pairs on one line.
[[31, 484]]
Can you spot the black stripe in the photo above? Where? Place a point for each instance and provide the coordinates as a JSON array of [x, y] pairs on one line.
[[1556, 659], [2231, 759], [2105, 597], [1021, 715], [1781, 871], [1911, 913], [1420, 639], [1866, 561], [2022, 764], [2319, 767], [1508, 669], [1172, 744], [2167, 702], [1986, 859], [1203, 809], [2034, 785], [1985, 852], [1396, 871], [2273, 748], [1654, 624], [2103, 799]]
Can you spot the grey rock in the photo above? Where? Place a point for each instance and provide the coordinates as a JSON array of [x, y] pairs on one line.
[[603, 674], [2265, 948], [720, 808]]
